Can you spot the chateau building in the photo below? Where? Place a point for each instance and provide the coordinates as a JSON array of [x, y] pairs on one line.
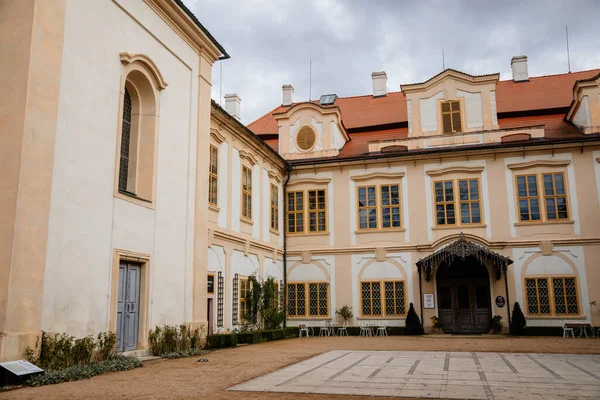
[[129, 199]]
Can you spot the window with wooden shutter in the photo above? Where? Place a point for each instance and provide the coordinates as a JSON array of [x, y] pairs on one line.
[[451, 117], [306, 138]]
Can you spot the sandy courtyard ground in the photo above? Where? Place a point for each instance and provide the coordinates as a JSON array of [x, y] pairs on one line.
[[186, 378]]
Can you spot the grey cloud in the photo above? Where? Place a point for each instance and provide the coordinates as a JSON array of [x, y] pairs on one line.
[[271, 42]]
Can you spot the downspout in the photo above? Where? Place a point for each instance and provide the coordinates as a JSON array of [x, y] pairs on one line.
[[287, 179], [507, 300], [421, 297]]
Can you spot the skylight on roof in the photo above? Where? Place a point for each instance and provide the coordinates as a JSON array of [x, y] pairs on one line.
[[327, 99]]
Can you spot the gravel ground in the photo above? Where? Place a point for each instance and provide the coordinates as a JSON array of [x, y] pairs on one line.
[[186, 378]]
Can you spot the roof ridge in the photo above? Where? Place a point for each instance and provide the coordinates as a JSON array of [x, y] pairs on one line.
[[561, 74]]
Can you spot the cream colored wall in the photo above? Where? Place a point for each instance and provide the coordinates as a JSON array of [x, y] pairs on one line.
[[499, 230], [31, 53]]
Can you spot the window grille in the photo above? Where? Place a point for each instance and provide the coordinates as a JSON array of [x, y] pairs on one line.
[[318, 299], [383, 298], [538, 300], [234, 305], [296, 299], [220, 294], [281, 299], [125, 141], [394, 298], [565, 296]]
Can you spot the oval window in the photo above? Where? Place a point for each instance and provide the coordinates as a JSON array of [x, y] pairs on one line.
[[306, 138]]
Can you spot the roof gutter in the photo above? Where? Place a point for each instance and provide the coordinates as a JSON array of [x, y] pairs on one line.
[[374, 156]]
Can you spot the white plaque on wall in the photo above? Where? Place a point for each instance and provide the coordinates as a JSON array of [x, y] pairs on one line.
[[428, 300]]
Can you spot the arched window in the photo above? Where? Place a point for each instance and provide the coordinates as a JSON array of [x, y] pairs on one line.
[[137, 140], [125, 140]]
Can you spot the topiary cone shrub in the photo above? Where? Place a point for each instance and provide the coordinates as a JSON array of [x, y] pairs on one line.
[[413, 323], [518, 325]]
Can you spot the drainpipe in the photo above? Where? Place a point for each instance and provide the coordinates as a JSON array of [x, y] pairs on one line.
[[507, 300], [287, 179], [421, 298]]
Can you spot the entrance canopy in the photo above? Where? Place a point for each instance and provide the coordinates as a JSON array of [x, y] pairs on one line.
[[462, 248]]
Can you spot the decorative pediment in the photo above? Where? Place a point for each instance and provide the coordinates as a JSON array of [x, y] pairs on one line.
[[314, 181], [217, 136], [539, 163], [456, 169], [275, 176], [128, 58], [378, 175], [251, 158], [450, 74]]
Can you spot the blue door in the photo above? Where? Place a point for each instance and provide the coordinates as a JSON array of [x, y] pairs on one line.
[[128, 306]]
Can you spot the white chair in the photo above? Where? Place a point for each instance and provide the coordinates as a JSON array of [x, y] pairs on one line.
[[365, 330], [566, 330], [324, 331], [342, 330], [304, 329], [381, 330]]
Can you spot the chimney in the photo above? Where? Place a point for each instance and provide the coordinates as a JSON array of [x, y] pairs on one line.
[[232, 105], [288, 95], [379, 83], [519, 68]]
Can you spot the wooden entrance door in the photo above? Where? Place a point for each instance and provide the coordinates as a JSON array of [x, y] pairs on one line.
[[128, 306], [464, 304]]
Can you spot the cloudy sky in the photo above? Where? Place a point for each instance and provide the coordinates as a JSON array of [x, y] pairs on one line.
[[272, 41]]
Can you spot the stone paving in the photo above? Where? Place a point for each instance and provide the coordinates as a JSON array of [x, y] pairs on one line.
[[454, 375]]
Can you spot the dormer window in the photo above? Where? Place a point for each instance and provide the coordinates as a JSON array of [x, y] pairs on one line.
[[451, 116], [306, 138]]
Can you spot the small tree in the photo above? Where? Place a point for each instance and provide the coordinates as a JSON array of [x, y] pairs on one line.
[[271, 315], [518, 325], [413, 323]]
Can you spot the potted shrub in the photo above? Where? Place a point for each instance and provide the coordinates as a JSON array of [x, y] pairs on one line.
[[412, 323], [437, 324], [345, 312], [497, 323], [518, 325]]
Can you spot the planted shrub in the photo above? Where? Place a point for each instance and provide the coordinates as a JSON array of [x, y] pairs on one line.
[[173, 340], [518, 325], [62, 350], [413, 323], [345, 312], [221, 341]]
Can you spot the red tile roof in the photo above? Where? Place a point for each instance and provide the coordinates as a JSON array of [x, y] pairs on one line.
[[539, 93]]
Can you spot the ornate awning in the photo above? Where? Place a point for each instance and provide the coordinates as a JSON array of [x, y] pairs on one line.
[[462, 248]]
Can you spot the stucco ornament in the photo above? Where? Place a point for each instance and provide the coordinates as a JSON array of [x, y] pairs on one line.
[[462, 248]]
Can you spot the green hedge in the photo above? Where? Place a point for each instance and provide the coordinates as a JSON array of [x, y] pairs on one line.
[[544, 331], [249, 337], [221, 341]]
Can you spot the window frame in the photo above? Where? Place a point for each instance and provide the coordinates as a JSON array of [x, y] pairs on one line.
[[566, 313], [469, 201], [367, 207], [246, 193], [214, 282], [274, 208], [307, 314], [555, 196], [383, 298], [444, 202], [550, 296], [242, 310], [316, 211], [528, 198], [213, 176], [450, 113], [295, 212], [542, 199], [390, 206]]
